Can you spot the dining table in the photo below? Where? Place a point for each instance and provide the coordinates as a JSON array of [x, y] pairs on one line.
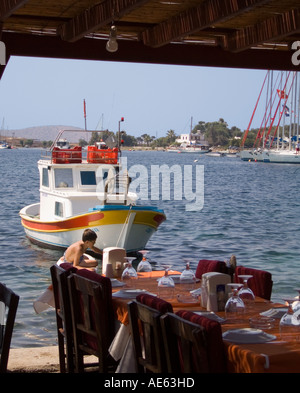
[[278, 354]]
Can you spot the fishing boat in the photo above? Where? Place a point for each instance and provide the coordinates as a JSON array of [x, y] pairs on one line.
[[87, 188]]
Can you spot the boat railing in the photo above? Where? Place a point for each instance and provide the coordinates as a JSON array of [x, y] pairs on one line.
[[76, 154]]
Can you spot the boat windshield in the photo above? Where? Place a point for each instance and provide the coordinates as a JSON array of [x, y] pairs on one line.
[[63, 177]]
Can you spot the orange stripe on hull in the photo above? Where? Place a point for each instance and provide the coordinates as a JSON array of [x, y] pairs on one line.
[[85, 220]]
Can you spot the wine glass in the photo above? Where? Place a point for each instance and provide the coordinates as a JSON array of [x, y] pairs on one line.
[[144, 265], [187, 278], [234, 306], [166, 285], [129, 273], [245, 293], [290, 322]]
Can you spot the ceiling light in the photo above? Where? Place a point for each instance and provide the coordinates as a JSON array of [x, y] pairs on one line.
[[112, 45]]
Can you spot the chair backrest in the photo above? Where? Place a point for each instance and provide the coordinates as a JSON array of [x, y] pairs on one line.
[[261, 283], [148, 346], [64, 324], [185, 345], [215, 348], [92, 316], [206, 265], [155, 302], [10, 303], [106, 288]]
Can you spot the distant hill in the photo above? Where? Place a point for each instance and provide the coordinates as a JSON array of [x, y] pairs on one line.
[[45, 133]]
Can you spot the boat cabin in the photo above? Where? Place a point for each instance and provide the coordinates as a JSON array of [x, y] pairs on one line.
[[72, 181]]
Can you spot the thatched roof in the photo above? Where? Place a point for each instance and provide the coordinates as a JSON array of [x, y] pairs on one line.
[[225, 33]]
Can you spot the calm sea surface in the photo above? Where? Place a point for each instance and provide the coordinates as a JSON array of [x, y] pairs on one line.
[[251, 210]]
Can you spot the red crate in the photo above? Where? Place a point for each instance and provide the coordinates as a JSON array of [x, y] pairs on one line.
[[67, 156], [102, 156]]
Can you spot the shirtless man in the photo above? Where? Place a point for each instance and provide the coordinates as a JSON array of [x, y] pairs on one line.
[[74, 253]]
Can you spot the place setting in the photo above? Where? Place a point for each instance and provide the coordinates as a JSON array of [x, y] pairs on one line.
[[241, 299]]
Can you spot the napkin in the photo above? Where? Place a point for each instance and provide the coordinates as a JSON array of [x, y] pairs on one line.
[[210, 315], [116, 283], [276, 313], [130, 293], [247, 336]]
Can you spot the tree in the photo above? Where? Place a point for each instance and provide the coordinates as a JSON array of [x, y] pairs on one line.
[[82, 142], [29, 142], [147, 139], [171, 136], [101, 136], [128, 139]]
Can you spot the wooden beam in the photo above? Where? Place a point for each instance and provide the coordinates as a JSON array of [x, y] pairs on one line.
[[196, 19], [18, 44], [275, 28], [8, 7], [93, 18]]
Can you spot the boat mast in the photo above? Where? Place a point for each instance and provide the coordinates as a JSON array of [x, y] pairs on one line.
[[285, 98], [295, 112], [246, 132], [273, 119], [298, 110], [191, 127]]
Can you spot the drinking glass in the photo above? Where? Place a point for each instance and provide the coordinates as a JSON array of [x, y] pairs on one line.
[[245, 293], [290, 322], [187, 278], [144, 265], [129, 274], [234, 307], [166, 285]]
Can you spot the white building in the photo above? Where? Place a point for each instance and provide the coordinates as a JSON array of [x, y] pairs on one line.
[[192, 139]]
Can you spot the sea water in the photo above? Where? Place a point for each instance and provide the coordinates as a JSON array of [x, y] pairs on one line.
[[251, 210]]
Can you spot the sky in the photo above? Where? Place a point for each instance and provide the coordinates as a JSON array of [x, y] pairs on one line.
[[153, 99]]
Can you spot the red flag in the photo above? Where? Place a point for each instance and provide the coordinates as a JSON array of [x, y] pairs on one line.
[[282, 94]]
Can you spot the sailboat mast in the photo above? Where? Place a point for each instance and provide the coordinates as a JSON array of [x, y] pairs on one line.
[[298, 117], [246, 132]]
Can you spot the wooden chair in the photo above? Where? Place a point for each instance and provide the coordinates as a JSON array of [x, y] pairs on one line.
[[261, 283], [64, 325], [11, 302], [155, 302], [216, 356], [185, 345], [206, 265], [148, 346], [93, 318]]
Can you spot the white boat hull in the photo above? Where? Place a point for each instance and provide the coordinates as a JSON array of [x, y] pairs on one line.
[[271, 156], [197, 151], [128, 228]]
